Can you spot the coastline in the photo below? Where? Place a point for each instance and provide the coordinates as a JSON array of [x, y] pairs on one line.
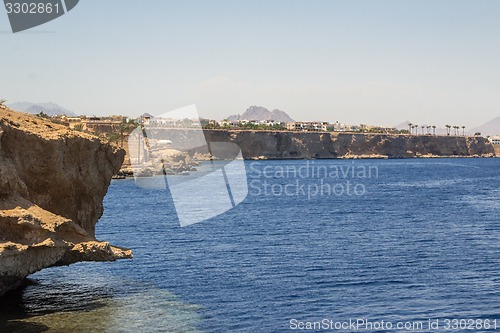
[[294, 145], [260, 144], [321, 145]]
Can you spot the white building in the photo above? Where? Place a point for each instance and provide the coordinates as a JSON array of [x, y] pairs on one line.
[[308, 126], [495, 140], [145, 118], [167, 122], [243, 122], [227, 123]]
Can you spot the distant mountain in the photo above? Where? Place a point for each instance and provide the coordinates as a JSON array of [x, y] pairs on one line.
[[491, 128], [402, 126], [261, 113], [50, 109]]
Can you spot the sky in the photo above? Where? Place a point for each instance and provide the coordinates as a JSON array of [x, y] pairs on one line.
[[372, 62]]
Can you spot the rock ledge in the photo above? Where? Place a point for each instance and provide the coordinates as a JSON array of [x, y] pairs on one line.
[[52, 183]]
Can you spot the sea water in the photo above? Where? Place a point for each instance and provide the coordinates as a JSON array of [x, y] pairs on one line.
[[415, 241]]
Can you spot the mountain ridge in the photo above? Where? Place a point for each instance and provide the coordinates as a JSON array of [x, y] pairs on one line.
[[255, 112], [490, 128], [49, 108]]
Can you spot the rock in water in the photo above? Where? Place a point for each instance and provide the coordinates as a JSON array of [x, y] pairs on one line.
[[52, 183]]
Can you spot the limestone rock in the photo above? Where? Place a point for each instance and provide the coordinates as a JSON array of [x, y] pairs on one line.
[[52, 183], [316, 145]]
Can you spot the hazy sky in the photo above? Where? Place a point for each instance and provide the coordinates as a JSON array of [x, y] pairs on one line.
[[375, 62]]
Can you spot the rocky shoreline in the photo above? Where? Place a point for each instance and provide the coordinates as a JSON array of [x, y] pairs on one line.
[[325, 145], [52, 183], [288, 145]]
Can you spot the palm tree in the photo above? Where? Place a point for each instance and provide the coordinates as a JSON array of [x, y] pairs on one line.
[[125, 129], [121, 132], [434, 129], [463, 130], [423, 126], [456, 130], [448, 128], [410, 126], [416, 128]]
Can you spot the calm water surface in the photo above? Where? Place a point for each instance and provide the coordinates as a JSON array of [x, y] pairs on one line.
[[421, 242]]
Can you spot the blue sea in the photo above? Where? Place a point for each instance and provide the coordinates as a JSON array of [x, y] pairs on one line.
[[415, 242]]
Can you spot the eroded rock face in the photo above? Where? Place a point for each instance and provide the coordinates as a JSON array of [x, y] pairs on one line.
[[52, 183], [305, 145], [497, 150]]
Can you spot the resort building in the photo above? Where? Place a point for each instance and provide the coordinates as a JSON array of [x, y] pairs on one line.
[[93, 124], [308, 126], [145, 118], [495, 140]]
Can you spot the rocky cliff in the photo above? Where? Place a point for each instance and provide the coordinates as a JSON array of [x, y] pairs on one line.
[[52, 183], [497, 150], [300, 145]]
